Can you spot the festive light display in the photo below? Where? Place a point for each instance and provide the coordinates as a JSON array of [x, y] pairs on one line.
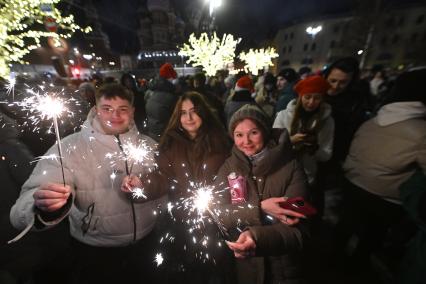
[[256, 59], [21, 28], [212, 54]]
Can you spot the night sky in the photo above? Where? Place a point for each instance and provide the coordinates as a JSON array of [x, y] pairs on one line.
[[253, 20]]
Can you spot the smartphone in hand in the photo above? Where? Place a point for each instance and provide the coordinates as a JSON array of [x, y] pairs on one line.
[[299, 205]]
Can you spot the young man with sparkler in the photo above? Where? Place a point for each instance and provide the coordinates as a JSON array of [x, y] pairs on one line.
[[110, 234]]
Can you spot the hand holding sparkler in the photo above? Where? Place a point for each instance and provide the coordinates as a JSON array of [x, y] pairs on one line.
[[132, 184], [51, 197], [244, 247]]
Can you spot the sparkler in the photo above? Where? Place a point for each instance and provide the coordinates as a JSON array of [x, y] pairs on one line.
[[46, 107], [159, 259], [51, 107], [10, 87], [201, 201], [140, 153]]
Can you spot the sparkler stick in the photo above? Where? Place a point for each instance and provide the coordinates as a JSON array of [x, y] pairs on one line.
[[58, 140], [223, 230], [202, 199], [10, 87]]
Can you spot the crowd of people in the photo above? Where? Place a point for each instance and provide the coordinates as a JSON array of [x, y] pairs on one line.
[[260, 143]]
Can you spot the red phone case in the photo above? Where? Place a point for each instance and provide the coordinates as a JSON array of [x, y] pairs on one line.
[[299, 205]]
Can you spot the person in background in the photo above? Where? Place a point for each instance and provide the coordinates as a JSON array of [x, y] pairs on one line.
[[266, 239], [266, 94], [128, 80], [210, 97], [286, 80], [111, 237], [349, 103], [385, 152], [309, 122], [160, 102], [243, 94], [87, 91], [304, 72]]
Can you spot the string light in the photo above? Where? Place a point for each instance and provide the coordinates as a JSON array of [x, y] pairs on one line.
[[19, 20], [212, 54], [256, 59]]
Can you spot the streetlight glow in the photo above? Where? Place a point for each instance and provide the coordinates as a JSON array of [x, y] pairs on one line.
[[313, 30], [213, 4], [360, 52]]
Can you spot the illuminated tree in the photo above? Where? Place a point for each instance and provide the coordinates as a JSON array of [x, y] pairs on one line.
[[21, 28], [256, 59], [212, 54]]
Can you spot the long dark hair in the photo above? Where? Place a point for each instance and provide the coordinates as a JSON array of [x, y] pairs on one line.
[[211, 136]]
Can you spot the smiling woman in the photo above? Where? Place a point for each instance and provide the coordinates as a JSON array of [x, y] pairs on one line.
[[266, 237]]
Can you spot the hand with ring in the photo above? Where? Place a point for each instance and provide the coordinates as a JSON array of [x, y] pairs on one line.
[[271, 207]]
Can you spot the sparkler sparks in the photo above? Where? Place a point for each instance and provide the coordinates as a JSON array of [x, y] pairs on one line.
[[134, 154], [46, 106], [202, 198], [10, 86], [138, 193], [159, 259]]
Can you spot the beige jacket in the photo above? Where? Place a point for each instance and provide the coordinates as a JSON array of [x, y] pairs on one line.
[[387, 149]]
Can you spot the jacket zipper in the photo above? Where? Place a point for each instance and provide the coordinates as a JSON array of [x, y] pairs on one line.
[[120, 145]]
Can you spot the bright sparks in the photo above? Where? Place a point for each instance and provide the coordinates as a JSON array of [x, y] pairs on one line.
[[138, 193], [202, 199], [159, 259]]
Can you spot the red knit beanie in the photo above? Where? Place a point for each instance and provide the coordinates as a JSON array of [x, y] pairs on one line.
[[167, 71], [245, 83], [312, 85]]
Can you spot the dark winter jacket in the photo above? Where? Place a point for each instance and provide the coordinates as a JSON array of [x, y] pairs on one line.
[[15, 168], [160, 102], [413, 196], [285, 97], [278, 246], [237, 100]]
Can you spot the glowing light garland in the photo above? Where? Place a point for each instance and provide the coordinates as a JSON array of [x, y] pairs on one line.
[[256, 59], [19, 24], [212, 54]]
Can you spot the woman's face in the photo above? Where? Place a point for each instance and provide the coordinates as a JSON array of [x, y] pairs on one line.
[[310, 102], [248, 137], [189, 118]]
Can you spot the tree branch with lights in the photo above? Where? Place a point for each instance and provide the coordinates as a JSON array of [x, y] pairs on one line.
[[21, 24], [212, 54], [256, 59]]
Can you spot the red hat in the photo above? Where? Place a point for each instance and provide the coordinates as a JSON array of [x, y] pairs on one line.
[[167, 71], [245, 83], [312, 85]]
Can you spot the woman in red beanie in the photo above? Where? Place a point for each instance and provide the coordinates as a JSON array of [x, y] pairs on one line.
[[309, 122]]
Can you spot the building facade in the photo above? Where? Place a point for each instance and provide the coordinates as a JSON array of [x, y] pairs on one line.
[[395, 38]]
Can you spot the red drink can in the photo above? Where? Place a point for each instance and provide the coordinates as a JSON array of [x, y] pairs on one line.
[[237, 186]]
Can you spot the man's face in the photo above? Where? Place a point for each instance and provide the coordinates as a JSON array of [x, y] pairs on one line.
[[115, 115], [338, 81], [281, 82]]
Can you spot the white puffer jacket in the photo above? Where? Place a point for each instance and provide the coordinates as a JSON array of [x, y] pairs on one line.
[[95, 179]]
